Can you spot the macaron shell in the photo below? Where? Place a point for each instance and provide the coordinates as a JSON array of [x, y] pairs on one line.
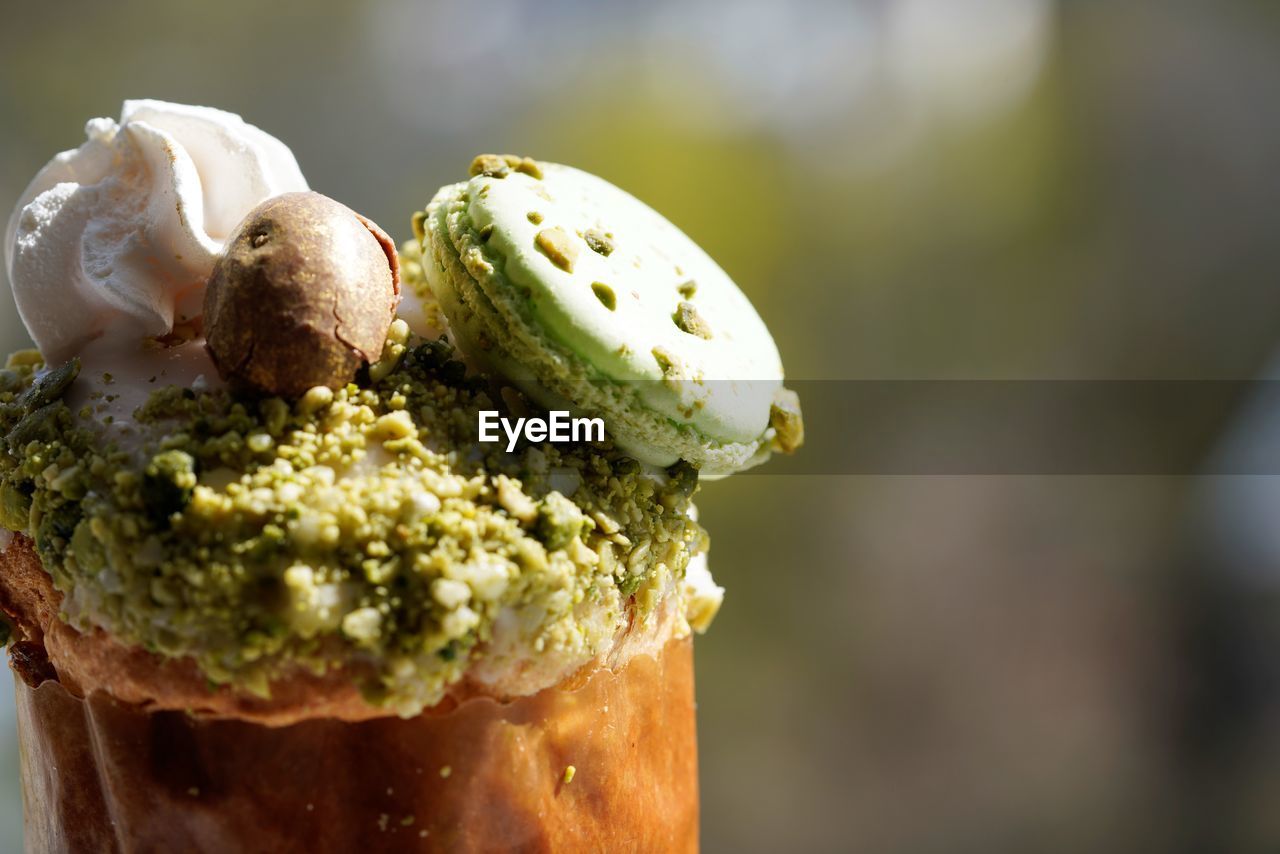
[[472, 318], [721, 383]]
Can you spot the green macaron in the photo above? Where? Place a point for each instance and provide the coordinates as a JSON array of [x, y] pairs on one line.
[[588, 300]]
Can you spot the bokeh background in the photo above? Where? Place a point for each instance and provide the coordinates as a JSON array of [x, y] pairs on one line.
[[941, 189]]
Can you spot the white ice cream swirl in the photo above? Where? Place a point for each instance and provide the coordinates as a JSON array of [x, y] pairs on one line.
[[116, 238]]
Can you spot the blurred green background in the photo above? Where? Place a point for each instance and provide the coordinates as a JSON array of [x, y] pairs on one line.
[[906, 189]]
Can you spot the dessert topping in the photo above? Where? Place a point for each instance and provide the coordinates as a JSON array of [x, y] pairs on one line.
[[302, 297], [116, 238]]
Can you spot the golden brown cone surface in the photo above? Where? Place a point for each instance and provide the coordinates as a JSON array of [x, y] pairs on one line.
[[99, 775]]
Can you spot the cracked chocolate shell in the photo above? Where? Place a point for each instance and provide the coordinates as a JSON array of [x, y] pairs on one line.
[[302, 296]]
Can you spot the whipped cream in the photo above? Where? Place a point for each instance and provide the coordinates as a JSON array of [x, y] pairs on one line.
[[116, 239]]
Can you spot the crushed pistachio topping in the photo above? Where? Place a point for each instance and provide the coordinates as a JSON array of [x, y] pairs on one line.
[[605, 294], [600, 242], [787, 421], [687, 319], [669, 362], [362, 527], [556, 245], [502, 165]]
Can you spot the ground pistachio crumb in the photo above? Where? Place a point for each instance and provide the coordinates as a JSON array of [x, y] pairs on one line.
[[364, 523], [556, 244], [502, 165], [605, 294], [491, 165], [688, 320], [668, 362], [599, 241], [786, 420], [568, 774]]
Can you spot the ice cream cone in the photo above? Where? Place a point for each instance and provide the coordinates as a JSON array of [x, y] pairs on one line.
[[100, 775]]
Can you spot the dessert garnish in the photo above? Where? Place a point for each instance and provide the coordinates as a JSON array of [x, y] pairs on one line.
[[302, 296], [581, 295]]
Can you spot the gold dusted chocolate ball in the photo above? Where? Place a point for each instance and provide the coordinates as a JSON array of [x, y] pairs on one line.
[[302, 296]]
